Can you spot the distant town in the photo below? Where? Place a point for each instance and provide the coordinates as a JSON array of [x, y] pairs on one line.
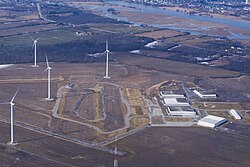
[[194, 7], [206, 7]]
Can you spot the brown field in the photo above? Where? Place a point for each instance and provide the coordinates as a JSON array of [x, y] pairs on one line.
[[184, 147], [19, 16], [80, 114], [26, 30], [138, 110], [212, 106], [113, 108], [233, 84], [22, 23], [173, 67], [161, 34], [48, 151], [153, 53], [9, 25]]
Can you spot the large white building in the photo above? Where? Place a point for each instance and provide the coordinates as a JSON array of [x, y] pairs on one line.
[[170, 94], [205, 95], [175, 102], [211, 121], [234, 113], [181, 111]]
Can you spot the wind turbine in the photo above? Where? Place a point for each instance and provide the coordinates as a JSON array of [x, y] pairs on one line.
[[34, 45], [11, 119], [48, 68], [107, 60], [115, 155]]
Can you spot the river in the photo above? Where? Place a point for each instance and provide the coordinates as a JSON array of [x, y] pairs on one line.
[[154, 10]]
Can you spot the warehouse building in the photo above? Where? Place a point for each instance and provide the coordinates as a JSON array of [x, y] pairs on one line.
[[211, 121], [175, 102], [170, 94], [204, 95], [235, 114], [180, 111]]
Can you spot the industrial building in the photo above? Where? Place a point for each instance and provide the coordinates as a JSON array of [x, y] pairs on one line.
[[175, 102], [235, 114], [180, 111], [170, 94], [204, 95], [211, 121]]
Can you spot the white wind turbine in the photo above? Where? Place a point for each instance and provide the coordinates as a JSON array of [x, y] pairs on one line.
[[34, 45], [11, 119], [48, 68], [115, 155], [107, 60]]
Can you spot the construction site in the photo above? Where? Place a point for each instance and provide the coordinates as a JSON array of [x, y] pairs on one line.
[[95, 112]]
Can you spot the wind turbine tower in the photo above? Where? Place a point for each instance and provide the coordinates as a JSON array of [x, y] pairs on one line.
[[34, 45], [115, 155], [48, 68], [115, 158], [107, 60], [11, 119]]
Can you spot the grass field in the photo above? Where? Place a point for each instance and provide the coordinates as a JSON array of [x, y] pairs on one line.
[[122, 28]]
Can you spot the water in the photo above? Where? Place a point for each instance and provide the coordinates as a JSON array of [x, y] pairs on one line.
[[153, 10]]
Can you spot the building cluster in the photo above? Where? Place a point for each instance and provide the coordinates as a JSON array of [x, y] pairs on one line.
[[208, 7], [176, 104]]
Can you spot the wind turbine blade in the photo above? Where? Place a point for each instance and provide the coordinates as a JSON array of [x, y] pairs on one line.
[[31, 38], [46, 69], [107, 45], [5, 103], [14, 96], [47, 61], [33, 47], [102, 53], [39, 38]]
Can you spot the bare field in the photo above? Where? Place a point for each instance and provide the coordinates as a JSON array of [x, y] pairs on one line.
[[26, 30], [47, 150], [218, 106], [113, 108], [235, 84], [18, 16], [121, 28], [101, 105], [161, 34], [184, 147], [174, 67], [138, 110]]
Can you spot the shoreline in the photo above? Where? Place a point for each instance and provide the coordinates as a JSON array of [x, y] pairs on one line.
[[212, 14]]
